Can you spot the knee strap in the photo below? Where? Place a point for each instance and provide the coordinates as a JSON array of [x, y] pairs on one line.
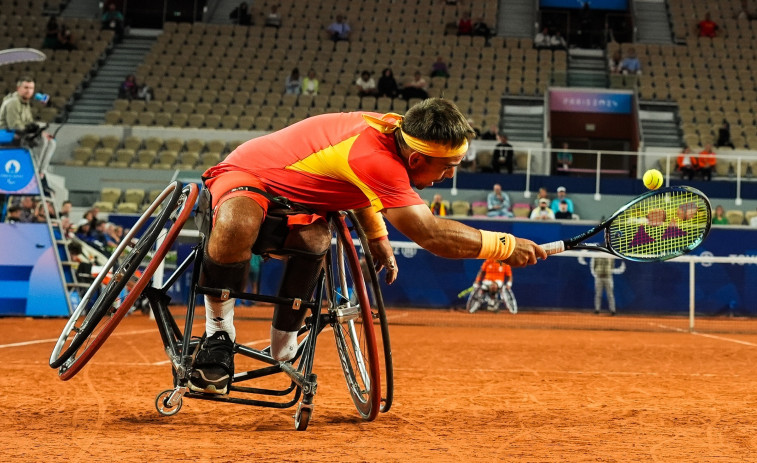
[[231, 276], [300, 277]]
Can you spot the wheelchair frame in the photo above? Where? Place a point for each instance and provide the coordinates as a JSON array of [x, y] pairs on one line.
[[504, 297], [104, 305]]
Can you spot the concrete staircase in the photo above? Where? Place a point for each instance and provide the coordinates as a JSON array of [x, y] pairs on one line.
[[219, 14], [652, 22], [587, 68], [98, 97], [522, 118], [659, 124], [82, 9], [516, 18]]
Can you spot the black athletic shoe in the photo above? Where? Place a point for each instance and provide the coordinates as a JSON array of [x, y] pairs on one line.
[[213, 365]]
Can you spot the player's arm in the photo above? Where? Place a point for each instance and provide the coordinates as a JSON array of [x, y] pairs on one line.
[[454, 240]]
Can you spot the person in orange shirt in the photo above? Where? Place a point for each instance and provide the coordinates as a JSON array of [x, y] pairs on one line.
[[493, 277], [686, 163], [706, 161]]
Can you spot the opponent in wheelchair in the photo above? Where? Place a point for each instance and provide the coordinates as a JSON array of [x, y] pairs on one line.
[[492, 288]]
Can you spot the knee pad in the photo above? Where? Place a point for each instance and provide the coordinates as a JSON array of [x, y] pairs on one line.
[[300, 277], [231, 276]]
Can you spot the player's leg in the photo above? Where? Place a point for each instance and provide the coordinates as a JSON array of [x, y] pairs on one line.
[[598, 288], [299, 281], [225, 265], [610, 288]]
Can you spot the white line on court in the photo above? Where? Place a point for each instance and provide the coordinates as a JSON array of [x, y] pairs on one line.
[[704, 335], [44, 341]]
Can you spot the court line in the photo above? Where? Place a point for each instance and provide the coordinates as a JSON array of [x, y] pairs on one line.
[[44, 341], [705, 335]]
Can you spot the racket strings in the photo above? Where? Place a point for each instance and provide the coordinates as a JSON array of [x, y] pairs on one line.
[[662, 225]]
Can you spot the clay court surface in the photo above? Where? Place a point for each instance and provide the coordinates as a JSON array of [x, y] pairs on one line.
[[463, 393]]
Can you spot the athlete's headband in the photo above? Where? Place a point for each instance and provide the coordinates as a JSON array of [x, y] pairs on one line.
[[390, 122]]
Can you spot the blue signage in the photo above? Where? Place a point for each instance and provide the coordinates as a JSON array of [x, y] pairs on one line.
[[621, 5], [17, 173]]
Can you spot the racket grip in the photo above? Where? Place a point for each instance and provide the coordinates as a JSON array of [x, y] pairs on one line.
[[554, 247]]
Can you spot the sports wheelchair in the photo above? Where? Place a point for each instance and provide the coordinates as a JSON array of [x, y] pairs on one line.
[[341, 302], [493, 298]]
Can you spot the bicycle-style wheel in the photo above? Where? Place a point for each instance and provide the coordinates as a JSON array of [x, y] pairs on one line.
[[122, 279], [377, 307], [353, 324], [475, 300], [509, 299]]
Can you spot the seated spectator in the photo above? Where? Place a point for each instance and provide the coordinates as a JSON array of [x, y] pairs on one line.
[[293, 83], [416, 88], [339, 29], [274, 18], [13, 215], [51, 34], [465, 24], [615, 62], [719, 218], [562, 212], [498, 203], [706, 162], [365, 85], [724, 136], [27, 209], [40, 216], [113, 20], [241, 15], [541, 194], [475, 127], [543, 39], [557, 42], [65, 209], [502, 155], [543, 212], [113, 235], [387, 85], [82, 230], [438, 207], [481, 29], [707, 27], [310, 84], [65, 38], [491, 133], [686, 164], [564, 158], [561, 196], [132, 90], [439, 68], [630, 64]]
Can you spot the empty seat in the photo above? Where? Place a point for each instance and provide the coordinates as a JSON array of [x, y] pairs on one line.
[[460, 207], [110, 194], [735, 217], [134, 195]]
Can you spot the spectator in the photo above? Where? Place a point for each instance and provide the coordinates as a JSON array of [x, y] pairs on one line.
[[339, 29], [365, 85], [491, 133], [615, 62], [707, 27], [543, 212], [14, 214], [562, 213], [16, 110], [65, 209], [26, 205], [724, 136], [502, 155], [51, 34], [40, 216], [561, 196], [543, 39], [706, 162], [131, 90], [65, 38], [686, 164], [602, 269], [630, 64], [541, 194], [557, 42], [465, 24], [498, 203], [481, 29], [113, 235], [439, 68], [475, 127], [241, 15], [564, 159], [274, 18], [438, 207], [310, 84], [293, 83], [82, 230], [719, 217], [416, 88], [387, 85], [113, 20]]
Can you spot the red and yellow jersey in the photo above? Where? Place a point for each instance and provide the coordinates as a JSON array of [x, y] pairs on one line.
[[329, 162], [495, 270]]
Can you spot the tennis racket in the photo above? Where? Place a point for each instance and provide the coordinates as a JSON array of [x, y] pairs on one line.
[[20, 55], [656, 226]]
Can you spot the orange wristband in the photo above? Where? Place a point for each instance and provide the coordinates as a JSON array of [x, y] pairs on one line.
[[496, 245]]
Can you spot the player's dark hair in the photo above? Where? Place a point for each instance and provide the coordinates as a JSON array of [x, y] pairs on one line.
[[438, 120]]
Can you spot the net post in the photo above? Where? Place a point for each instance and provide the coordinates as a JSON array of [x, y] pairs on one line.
[[738, 181], [527, 193], [692, 280]]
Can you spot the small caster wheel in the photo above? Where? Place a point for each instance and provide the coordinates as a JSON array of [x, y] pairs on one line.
[[302, 416], [161, 403]]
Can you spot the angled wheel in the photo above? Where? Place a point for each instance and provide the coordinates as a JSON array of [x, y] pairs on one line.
[[122, 279], [475, 300], [377, 307], [353, 324], [509, 298]]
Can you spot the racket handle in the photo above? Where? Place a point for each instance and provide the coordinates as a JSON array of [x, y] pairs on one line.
[[554, 247]]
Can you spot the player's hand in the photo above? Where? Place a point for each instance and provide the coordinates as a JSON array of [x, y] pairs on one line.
[[383, 256], [526, 253]]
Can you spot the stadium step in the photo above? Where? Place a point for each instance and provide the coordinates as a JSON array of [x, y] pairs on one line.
[[651, 19], [516, 18]]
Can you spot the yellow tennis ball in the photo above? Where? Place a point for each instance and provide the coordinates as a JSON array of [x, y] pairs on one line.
[[652, 179]]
